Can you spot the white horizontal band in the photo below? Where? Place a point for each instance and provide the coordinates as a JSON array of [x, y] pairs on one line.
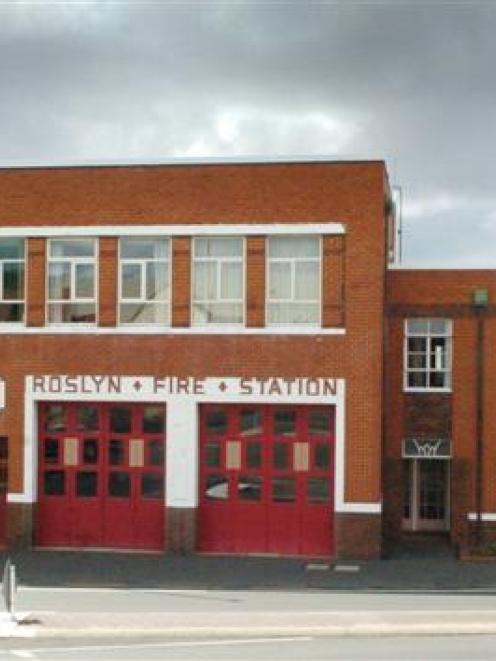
[[485, 516], [167, 330], [219, 229], [19, 498], [358, 508]]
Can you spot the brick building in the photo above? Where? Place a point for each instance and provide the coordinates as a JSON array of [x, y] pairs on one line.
[[209, 357], [439, 460]]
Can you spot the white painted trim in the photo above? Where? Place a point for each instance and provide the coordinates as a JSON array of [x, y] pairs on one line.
[[182, 434], [220, 229], [85, 329], [340, 462], [485, 516], [428, 391], [359, 508], [19, 498]]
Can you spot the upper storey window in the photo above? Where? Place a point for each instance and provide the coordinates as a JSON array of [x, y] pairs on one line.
[[72, 281], [144, 281], [294, 289], [428, 354], [217, 281], [11, 280]]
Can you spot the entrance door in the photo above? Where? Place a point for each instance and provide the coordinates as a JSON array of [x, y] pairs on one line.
[[266, 479], [101, 475], [426, 495]]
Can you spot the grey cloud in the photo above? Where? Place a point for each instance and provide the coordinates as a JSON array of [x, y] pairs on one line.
[[413, 83]]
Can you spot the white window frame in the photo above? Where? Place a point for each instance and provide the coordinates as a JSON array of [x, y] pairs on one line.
[[242, 258], [21, 260], [292, 261], [429, 370], [142, 262], [73, 261]]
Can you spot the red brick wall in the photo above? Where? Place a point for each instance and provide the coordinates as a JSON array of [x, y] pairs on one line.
[[438, 287], [108, 274], [255, 281], [448, 294], [349, 193], [36, 258], [181, 281], [333, 285]]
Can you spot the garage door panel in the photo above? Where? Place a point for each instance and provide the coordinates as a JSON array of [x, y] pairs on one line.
[[55, 517], [249, 528], [101, 475], [87, 524], [151, 520], [317, 533], [266, 476], [215, 533], [284, 531], [117, 517]]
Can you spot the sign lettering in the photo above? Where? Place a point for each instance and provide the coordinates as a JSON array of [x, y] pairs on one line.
[[107, 384]]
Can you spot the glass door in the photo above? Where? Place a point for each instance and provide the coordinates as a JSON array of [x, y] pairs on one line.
[[432, 507], [426, 495]]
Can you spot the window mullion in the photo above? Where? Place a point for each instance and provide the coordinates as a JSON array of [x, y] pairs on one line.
[[293, 280], [72, 293], [143, 283], [218, 279]]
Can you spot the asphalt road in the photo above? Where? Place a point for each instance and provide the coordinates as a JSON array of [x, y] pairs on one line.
[[306, 648], [93, 600]]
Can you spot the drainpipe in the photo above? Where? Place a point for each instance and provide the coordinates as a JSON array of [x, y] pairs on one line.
[[480, 302]]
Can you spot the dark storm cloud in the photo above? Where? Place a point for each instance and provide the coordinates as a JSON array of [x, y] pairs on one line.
[[414, 84]]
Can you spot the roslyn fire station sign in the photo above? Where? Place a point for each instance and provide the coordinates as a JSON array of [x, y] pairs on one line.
[[107, 385]]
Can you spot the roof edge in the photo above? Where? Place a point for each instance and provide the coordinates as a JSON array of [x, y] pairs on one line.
[[234, 160]]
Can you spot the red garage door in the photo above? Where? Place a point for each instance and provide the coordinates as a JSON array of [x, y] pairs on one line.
[[101, 475], [266, 480]]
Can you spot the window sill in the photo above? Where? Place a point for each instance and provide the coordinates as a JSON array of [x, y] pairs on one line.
[[70, 326], [93, 329], [430, 391], [12, 326]]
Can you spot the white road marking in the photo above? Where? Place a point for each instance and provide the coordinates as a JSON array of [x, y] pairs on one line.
[[491, 590], [29, 588], [29, 653]]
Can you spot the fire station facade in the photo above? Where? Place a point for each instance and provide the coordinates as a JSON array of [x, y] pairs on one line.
[[216, 358]]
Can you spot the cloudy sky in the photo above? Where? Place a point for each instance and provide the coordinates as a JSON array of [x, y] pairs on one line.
[[411, 82]]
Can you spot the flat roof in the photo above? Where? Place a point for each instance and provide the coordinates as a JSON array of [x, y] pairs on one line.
[[221, 160]]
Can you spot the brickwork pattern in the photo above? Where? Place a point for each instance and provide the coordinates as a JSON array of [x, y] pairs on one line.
[[433, 293], [353, 284]]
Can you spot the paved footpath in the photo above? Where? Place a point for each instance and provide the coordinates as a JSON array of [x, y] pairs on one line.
[[404, 571], [205, 624], [135, 574]]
